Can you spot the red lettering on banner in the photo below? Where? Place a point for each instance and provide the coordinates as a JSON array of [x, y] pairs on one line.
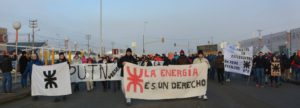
[[134, 79], [153, 73]]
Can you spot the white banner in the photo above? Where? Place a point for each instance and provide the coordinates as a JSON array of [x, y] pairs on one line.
[[95, 72], [51, 80], [165, 82], [238, 60], [157, 63]]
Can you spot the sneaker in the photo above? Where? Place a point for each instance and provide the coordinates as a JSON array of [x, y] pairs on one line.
[[205, 97]]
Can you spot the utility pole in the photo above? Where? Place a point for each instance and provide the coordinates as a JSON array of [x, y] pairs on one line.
[[88, 37], [144, 37], [33, 24], [28, 41], [66, 44], [101, 35], [112, 45]]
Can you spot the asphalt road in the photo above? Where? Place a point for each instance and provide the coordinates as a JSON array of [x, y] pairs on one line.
[[236, 94]]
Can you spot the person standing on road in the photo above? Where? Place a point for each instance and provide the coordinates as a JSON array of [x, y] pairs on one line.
[[76, 60], [182, 59], [296, 64], [90, 82], [220, 67], [121, 63], [285, 66], [6, 68], [23, 63], [260, 65], [201, 59], [28, 71], [275, 62], [62, 58]]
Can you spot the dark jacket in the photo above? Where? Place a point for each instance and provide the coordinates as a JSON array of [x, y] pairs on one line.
[[6, 64], [260, 62], [148, 64], [284, 62], [23, 63], [219, 62], [183, 60], [166, 61], [126, 58]]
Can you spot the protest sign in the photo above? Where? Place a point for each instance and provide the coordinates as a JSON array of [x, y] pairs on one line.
[[238, 60], [165, 82], [51, 80]]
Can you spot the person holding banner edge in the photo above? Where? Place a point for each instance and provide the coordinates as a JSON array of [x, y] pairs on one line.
[[201, 59], [220, 67], [62, 58], [121, 63], [28, 71]]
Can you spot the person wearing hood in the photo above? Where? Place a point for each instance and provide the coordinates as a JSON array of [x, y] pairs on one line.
[[128, 58], [201, 59], [182, 59], [28, 71], [146, 61], [23, 63], [296, 64]]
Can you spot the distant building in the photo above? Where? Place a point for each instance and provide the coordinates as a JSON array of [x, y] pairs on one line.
[[276, 42], [3, 38]]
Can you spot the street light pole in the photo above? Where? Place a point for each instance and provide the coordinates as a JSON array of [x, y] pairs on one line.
[[17, 26], [33, 25], [144, 37], [88, 37], [101, 35]]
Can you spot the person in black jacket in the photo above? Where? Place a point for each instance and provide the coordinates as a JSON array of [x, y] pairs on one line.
[[23, 64], [146, 61], [62, 58], [6, 68], [127, 58], [260, 65], [285, 66], [167, 61]]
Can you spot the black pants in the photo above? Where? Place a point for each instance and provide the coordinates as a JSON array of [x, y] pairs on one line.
[[220, 75]]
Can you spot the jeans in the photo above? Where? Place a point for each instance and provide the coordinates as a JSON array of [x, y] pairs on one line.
[[24, 80], [297, 73], [7, 82], [220, 75], [260, 75], [211, 73], [227, 75]]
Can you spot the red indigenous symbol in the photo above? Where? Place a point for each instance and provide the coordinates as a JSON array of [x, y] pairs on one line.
[[134, 79]]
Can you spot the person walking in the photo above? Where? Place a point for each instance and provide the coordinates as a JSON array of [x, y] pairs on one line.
[[260, 66], [128, 58], [201, 59], [220, 67]]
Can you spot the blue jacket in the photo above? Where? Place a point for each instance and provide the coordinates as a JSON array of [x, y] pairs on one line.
[[28, 69]]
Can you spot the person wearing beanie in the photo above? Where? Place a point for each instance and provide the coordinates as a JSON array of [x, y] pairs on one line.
[[182, 59], [128, 58], [202, 60]]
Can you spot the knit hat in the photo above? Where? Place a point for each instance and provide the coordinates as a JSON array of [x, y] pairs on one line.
[[200, 52], [128, 50], [181, 52], [61, 53]]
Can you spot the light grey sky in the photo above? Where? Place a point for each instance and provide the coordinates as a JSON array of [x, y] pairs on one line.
[[179, 21]]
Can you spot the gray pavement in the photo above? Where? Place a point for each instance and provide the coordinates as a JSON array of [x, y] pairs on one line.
[[236, 94]]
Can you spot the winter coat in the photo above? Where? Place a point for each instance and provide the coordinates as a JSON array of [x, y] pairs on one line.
[[6, 64], [183, 60], [219, 62], [23, 63], [260, 62], [148, 63], [28, 69], [201, 60], [129, 59]]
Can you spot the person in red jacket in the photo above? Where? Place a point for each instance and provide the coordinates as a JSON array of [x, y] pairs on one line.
[[296, 64]]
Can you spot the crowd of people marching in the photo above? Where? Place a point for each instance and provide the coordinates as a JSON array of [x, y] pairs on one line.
[[261, 72]]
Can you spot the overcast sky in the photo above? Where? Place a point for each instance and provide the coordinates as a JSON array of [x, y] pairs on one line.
[[179, 21]]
